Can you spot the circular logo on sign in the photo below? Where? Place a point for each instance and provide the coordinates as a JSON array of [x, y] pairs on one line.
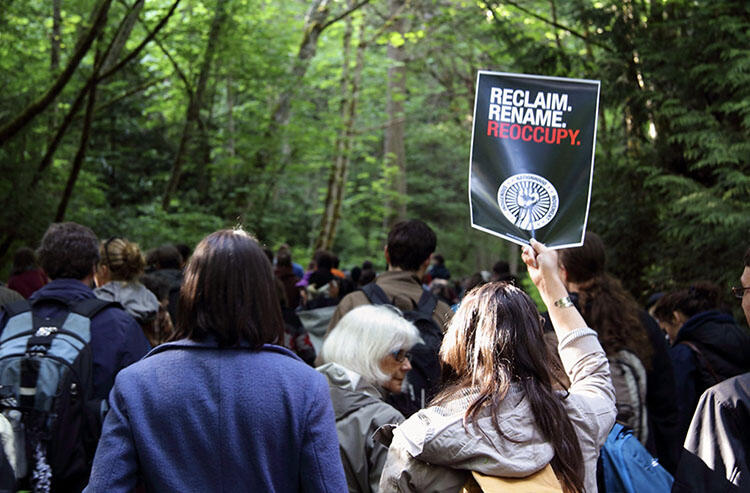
[[527, 200]]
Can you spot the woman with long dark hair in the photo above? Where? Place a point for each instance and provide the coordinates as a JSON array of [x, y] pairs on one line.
[[222, 407], [503, 414], [641, 369]]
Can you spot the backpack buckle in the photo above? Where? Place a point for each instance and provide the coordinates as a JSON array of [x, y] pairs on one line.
[[45, 331]]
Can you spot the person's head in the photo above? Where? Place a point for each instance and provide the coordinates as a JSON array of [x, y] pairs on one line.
[[323, 260], [283, 259], [437, 259], [228, 292], [745, 283], [164, 257], [68, 251], [23, 260], [495, 340], [675, 308], [120, 260], [604, 303], [501, 267], [409, 245], [185, 252], [373, 341]]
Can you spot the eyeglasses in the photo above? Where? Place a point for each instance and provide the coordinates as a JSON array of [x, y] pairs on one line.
[[401, 355], [739, 291]]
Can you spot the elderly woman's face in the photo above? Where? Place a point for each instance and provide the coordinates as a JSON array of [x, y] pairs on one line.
[[396, 365]]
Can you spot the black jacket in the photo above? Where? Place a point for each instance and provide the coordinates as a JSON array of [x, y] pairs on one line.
[[721, 349]]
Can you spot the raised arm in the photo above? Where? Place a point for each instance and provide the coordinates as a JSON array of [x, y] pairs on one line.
[[582, 356]]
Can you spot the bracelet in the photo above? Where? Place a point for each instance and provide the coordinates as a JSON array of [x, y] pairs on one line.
[[564, 302]]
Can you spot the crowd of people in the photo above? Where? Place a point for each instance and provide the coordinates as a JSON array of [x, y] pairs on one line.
[[233, 368]]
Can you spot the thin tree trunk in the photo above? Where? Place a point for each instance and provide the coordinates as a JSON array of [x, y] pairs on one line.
[[80, 155], [54, 63], [335, 185], [230, 119], [14, 126], [394, 153], [316, 21], [351, 119], [195, 104]]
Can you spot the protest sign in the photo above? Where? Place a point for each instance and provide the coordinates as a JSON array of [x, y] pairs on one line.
[[532, 157]]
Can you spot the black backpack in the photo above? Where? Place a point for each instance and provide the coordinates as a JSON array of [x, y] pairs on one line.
[[46, 391], [423, 381]]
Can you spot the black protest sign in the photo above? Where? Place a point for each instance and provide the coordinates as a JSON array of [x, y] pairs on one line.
[[532, 157]]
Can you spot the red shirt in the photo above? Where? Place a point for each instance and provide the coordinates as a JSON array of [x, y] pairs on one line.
[[28, 282]]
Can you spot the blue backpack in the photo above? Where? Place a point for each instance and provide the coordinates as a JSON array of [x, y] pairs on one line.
[[46, 388], [625, 466]]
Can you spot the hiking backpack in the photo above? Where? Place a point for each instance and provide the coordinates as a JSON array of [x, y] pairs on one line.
[[424, 378], [625, 466], [629, 380], [46, 389]]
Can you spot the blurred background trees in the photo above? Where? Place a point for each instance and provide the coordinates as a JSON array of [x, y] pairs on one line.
[[319, 123]]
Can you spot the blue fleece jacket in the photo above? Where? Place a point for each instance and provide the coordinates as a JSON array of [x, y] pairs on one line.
[[116, 338], [195, 417]]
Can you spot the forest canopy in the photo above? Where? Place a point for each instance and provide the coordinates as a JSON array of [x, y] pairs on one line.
[[320, 123]]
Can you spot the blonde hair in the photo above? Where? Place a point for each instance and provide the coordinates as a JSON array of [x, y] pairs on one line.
[[123, 258]]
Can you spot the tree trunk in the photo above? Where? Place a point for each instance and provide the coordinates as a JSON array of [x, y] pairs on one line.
[[16, 124], [80, 155], [230, 120], [195, 104], [336, 176], [394, 153], [316, 21], [54, 62]]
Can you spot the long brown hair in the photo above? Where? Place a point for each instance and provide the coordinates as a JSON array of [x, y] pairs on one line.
[[496, 339], [228, 292], [605, 305]]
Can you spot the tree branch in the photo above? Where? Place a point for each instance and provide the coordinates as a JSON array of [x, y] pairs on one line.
[[130, 56], [10, 129], [344, 14], [551, 23]]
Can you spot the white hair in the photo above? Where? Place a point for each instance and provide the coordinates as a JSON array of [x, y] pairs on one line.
[[366, 335]]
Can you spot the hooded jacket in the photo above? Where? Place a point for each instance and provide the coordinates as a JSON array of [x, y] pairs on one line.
[[360, 411], [137, 300], [433, 450], [723, 346]]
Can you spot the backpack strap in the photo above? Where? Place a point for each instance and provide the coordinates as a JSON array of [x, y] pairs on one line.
[[90, 307], [427, 303], [376, 295], [702, 360]]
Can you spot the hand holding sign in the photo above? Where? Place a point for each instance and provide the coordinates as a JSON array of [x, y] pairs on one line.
[[532, 157]]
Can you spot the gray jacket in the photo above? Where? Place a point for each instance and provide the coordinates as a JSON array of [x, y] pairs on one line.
[[432, 450], [137, 300], [360, 410]]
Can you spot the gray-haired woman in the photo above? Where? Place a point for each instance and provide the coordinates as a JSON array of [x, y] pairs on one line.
[[367, 356]]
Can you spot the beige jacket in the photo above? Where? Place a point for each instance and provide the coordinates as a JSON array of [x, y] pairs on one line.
[[403, 287], [431, 451]]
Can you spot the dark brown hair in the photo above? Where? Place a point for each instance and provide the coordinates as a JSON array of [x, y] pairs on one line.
[[700, 296], [410, 243], [496, 339], [68, 250], [228, 292], [605, 305], [23, 260]]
